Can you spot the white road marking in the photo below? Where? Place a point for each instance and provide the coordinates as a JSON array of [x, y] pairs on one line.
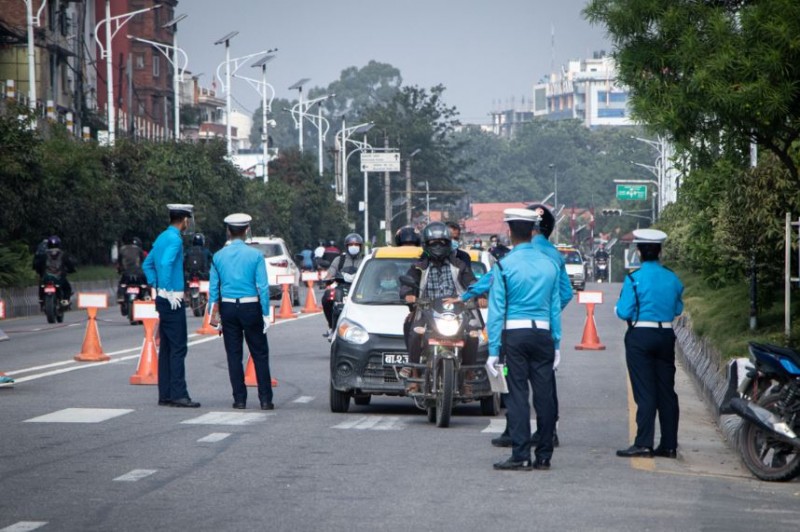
[[24, 526], [214, 437], [498, 426], [372, 423], [303, 399], [227, 418], [136, 474], [80, 415]]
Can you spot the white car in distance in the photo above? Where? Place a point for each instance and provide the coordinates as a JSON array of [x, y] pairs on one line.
[[279, 262]]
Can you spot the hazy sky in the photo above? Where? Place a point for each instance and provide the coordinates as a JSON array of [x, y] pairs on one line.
[[483, 52]]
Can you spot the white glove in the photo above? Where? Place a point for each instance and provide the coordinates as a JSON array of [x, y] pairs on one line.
[[557, 360], [348, 277], [266, 323], [172, 297], [491, 364]]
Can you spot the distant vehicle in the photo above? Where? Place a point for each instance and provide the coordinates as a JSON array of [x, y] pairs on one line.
[[279, 262], [576, 268]]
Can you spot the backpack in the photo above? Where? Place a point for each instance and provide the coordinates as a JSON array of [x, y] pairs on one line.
[[196, 259], [130, 258], [54, 263]]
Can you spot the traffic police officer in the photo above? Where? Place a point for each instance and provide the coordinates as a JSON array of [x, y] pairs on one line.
[[650, 300], [239, 283], [524, 319], [164, 270]]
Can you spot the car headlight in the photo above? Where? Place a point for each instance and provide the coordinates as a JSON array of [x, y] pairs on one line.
[[350, 332], [448, 327]]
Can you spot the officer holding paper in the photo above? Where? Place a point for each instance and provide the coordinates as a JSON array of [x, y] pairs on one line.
[[524, 321], [239, 285]]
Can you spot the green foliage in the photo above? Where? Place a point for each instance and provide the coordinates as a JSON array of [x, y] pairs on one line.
[[15, 265]]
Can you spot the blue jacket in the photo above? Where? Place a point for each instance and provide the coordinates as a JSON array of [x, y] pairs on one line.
[[659, 293], [164, 265], [531, 279], [238, 270]]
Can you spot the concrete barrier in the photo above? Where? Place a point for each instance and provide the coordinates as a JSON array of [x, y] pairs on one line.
[[21, 302]]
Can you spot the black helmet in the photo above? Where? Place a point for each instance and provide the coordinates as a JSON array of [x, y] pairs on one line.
[[353, 239], [53, 242], [136, 241], [432, 235], [407, 236], [548, 221], [198, 240]]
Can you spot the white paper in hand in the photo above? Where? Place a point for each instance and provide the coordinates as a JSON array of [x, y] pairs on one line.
[[498, 381]]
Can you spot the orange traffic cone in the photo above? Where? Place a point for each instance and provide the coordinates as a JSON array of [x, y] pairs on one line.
[[311, 300], [286, 305], [147, 370], [590, 339], [250, 374], [92, 351], [207, 328]]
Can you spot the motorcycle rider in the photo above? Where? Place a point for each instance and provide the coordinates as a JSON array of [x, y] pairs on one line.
[[129, 265], [601, 255], [349, 260], [57, 263], [198, 258], [499, 247], [438, 274], [455, 234], [407, 236], [331, 252]]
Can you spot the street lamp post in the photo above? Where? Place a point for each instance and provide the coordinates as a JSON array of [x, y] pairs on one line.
[[408, 184], [227, 41], [299, 113], [657, 171], [173, 60], [345, 134], [555, 197], [266, 106], [299, 123], [32, 20], [105, 52]]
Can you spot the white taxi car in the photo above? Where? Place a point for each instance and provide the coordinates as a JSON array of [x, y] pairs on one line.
[[279, 262]]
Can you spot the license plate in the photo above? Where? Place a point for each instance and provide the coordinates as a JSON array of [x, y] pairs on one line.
[[446, 343], [193, 284], [133, 289], [49, 289], [395, 359]]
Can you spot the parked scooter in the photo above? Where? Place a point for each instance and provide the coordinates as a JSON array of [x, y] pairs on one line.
[[768, 401]]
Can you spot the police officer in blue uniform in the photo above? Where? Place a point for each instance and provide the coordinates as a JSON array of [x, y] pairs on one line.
[[650, 300], [164, 270], [239, 285], [524, 320]]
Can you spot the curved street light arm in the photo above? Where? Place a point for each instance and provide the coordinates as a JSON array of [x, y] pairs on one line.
[[238, 62], [163, 48], [119, 21]]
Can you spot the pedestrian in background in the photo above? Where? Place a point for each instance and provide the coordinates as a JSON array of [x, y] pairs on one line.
[[524, 320], [164, 270], [239, 285], [651, 298]]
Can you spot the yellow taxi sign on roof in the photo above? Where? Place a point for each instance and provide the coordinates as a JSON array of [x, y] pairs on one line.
[[401, 252]]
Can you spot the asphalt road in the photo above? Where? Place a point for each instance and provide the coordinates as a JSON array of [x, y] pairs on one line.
[[123, 463]]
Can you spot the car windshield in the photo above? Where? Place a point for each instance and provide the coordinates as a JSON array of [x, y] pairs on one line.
[[379, 284], [268, 250], [571, 256], [478, 269]]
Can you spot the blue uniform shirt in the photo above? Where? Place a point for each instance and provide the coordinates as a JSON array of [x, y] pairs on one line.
[[164, 265], [533, 294], [659, 292], [540, 243], [239, 271]]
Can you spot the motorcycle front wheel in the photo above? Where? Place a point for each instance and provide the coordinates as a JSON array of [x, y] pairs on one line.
[[444, 398], [764, 455]]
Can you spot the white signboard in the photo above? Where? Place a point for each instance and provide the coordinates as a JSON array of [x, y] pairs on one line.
[[144, 310], [92, 300], [309, 276], [585, 297], [284, 279], [380, 162]]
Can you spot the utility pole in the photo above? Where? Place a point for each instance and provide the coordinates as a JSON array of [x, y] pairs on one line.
[[387, 196]]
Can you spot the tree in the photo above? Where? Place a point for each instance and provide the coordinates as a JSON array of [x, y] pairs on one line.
[[699, 70]]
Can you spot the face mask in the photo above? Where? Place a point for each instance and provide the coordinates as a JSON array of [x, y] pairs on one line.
[[353, 250], [389, 284], [454, 244]]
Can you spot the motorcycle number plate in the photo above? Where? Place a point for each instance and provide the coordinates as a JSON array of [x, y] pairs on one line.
[[395, 359], [446, 343], [49, 289], [194, 285], [133, 289]]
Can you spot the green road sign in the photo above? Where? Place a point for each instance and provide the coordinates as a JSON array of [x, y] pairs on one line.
[[631, 192]]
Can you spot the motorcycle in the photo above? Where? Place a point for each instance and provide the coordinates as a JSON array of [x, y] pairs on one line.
[[53, 298], [337, 291], [197, 298], [767, 399], [443, 379], [133, 288], [601, 270]]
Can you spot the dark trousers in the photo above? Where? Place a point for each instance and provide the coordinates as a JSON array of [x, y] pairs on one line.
[[555, 405], [650, 354], [243, 321], [529, 356], [172, 351]]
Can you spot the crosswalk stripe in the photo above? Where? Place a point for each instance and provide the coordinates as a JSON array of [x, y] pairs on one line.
[[303, 399], [498, 425], [80, 415], [226, 418], [373, 423], [24, 526], [214, 437], [134, 475]]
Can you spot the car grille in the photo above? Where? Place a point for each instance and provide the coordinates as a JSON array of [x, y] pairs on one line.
[[376, 372]]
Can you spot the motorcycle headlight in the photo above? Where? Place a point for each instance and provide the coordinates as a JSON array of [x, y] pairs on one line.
[[350, 332], [448, 327]]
